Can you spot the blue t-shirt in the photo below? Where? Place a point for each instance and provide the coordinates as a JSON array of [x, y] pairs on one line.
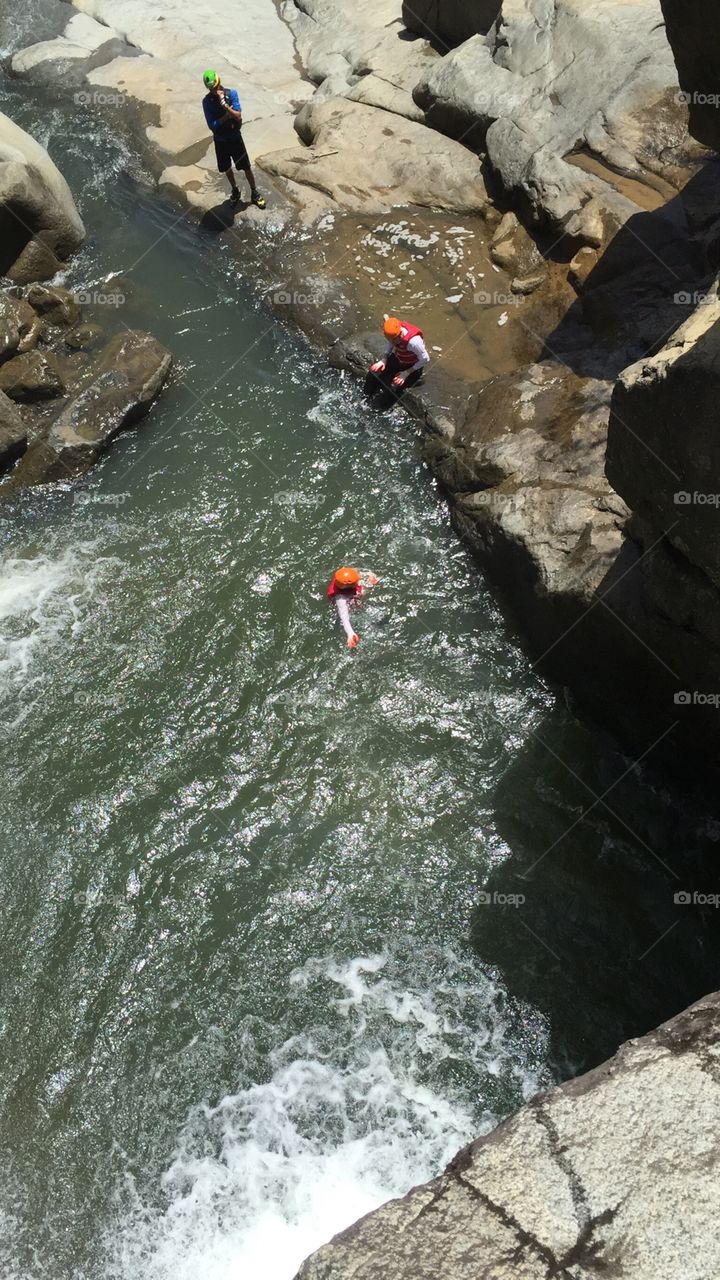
[[224, 130]]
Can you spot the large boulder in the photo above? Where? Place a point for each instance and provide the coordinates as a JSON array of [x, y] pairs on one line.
[[114, 393], [567, 97], [614, 1173], [694, 33], [367, 160], [525, 472], [39, 224], [35, 375]]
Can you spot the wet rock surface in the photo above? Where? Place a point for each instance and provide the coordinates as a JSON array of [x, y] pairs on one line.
[[20, 326], [13, 432], [61, 405], [114, 392], [35, 375]]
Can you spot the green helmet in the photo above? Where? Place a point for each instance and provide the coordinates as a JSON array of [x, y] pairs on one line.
[[210, 79]]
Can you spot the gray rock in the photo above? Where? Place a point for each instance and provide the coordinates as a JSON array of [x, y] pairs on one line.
[[114, 393], [552, 78], [39, 224], [367, 160], [35, 375], [356, 52], [612, 1174], [513, 250], [525, 470]]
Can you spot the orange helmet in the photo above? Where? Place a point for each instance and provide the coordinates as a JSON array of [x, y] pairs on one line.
[[392, 328], [345, 578]]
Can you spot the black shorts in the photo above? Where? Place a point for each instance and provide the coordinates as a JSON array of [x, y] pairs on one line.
[[229, 150]]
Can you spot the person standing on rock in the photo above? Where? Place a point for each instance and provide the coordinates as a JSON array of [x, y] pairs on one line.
[[405, 359], [224, 118]]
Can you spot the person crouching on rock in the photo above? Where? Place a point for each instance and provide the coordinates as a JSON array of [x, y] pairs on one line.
[[344, 590], [405, 359], [224, 118]]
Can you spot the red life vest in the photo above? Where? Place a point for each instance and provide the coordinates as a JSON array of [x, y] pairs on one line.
[[405, 357], [350, 592]]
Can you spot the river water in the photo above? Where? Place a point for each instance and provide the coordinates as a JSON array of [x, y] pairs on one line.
[[250, 988]]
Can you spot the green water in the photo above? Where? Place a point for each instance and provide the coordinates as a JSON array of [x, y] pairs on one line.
[[249, 988]]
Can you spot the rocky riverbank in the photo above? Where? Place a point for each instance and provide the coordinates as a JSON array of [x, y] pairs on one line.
[[65, 392], [529, 192]]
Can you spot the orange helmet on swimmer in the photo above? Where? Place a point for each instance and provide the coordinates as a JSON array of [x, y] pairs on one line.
[[346, 577], [392, 327]]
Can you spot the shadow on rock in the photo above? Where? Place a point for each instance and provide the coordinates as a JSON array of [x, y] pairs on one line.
[[643, 286], [589, 917]]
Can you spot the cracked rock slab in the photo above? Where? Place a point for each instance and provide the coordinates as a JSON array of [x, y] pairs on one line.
[[613, 1174]]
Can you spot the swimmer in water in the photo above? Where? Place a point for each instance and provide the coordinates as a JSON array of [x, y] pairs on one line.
[[345, 588]]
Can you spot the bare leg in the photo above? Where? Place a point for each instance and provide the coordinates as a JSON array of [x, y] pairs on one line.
[[231, 179], [251, 179]]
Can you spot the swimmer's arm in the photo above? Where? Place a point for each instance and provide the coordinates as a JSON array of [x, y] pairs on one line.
[[343, 607]]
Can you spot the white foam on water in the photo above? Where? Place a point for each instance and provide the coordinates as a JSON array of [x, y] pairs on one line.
[[355, 1112], [42, 599]]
